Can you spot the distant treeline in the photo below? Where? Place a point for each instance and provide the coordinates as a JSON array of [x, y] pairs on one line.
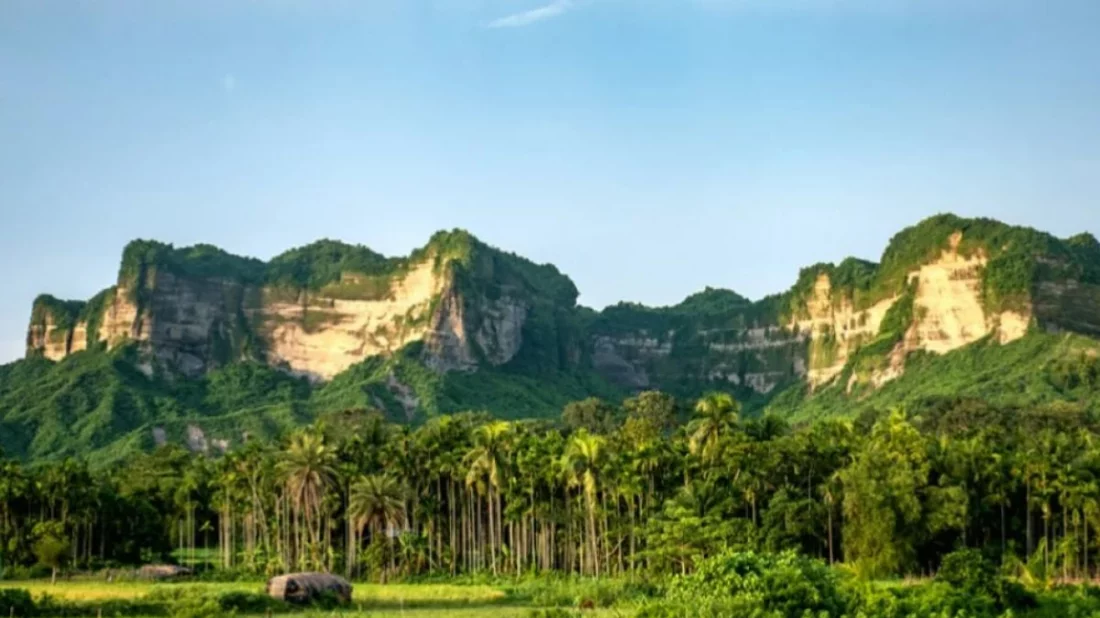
[[652, 485]]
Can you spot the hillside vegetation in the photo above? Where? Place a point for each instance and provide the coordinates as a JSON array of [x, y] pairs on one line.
[[505, 336]]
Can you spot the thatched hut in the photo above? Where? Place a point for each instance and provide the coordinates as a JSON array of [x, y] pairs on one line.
[[308, 587], [163, 571]]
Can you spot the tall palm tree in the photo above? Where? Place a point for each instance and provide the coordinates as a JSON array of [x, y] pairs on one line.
[[376, 502], [715, 416], [308, 470], [485, 462], [582, 460]]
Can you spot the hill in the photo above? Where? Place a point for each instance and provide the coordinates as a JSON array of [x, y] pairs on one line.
[[199, 346]]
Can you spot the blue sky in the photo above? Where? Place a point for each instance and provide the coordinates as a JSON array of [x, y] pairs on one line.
[[648, 148]]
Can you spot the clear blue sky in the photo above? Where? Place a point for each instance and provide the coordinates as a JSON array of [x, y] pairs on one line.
[[647, 147]]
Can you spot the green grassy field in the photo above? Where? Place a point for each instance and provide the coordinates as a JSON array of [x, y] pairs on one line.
[[374, 600]]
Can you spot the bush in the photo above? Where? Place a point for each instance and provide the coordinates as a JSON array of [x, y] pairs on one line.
[[749, 584], [18, 602], [249, 602], [967, 571]]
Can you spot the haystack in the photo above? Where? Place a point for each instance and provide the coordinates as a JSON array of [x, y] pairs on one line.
[[163, 571], [308, 587]]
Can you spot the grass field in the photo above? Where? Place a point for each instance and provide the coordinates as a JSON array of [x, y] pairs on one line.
[[374, 600]]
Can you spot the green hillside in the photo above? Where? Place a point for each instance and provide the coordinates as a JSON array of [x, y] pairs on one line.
[[503, 335], [1039, 370], [98, 404]]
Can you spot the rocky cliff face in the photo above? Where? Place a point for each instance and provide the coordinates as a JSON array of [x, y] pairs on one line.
[[942, 285], [460, 305], [464, 302]]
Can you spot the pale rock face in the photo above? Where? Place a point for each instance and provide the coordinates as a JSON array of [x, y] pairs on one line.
[[350, 330], [840, 321], [1012, 326], [948, 306], [79, 340], [948, 312], [189, 324], [53, 343], [120, 321]]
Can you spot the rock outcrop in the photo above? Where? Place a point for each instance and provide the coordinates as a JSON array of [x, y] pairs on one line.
[[942, 285], [459, 305], [464, 302]]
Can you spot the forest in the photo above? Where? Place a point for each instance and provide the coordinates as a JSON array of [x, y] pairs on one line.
[[651, 490]]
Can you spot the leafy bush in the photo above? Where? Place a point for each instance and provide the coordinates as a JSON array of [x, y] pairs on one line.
[[249, 602], [749, 584], [17, 602], [967, 571]]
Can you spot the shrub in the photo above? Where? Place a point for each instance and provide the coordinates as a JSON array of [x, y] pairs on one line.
[[17, 602], [249, 602], [749, 584], [967, 571]]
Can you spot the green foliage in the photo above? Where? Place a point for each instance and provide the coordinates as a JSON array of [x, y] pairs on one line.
[[325, 261], [748, 584], [63, 313], [551, 590], [99, 405], [204, 261], [52, 551], [16, 602], [883, 508], [592, 414], [92, 314], [1037, 371]]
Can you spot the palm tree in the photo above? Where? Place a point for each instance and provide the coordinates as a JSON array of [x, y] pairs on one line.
[[308, 470], [485, 463], [376, 502], [715, 416], [582, 461]]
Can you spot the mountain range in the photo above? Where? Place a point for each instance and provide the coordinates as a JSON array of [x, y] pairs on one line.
[[199, 346]]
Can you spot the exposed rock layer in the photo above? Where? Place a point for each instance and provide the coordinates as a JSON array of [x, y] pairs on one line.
[[466, 305]]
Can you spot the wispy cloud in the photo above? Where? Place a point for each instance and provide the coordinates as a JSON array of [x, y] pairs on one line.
[[526, 18]]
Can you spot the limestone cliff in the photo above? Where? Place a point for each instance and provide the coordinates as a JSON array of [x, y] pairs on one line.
[[459, 305], [317, 310], [941, 285]]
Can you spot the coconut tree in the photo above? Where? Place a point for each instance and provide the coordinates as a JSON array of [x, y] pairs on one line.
[[715, 417], [308, 471], [376, 502]]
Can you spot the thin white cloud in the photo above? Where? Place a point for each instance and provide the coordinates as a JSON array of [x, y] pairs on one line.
[[526, 18], [229, 82]]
